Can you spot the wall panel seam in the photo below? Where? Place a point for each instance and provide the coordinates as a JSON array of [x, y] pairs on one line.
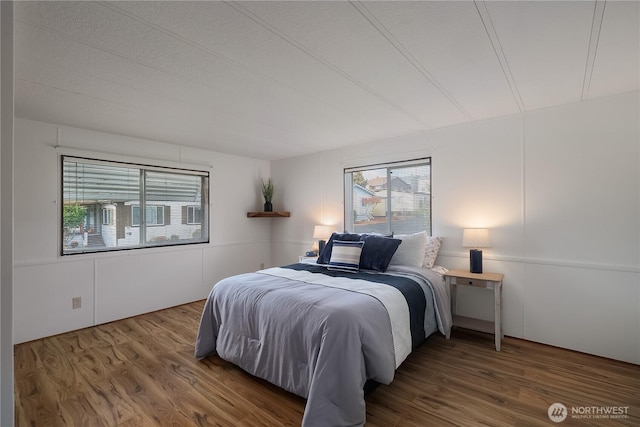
[[550, 262]]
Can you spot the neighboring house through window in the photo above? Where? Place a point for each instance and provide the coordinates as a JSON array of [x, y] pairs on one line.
[[393, 197], [111, 206], [155, 215]]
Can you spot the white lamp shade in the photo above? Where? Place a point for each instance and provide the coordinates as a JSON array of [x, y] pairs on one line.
[[476, 238], [321, 232]]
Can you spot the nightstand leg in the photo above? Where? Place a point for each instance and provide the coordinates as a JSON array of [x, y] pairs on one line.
[[452, 291], [498, 324], [454, 302]]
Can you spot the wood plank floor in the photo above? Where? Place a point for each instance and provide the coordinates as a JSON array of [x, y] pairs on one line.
[[141, 372]]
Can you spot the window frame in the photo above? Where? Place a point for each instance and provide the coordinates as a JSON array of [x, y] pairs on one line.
[[69, 155], [348, 215]]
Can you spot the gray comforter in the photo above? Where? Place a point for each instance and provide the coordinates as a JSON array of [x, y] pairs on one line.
[[316, 340]]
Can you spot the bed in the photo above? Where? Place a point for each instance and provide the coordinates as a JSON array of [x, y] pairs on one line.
[[323, 332]]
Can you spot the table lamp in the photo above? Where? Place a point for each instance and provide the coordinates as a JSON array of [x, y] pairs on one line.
[[321, 232], [475, 238]]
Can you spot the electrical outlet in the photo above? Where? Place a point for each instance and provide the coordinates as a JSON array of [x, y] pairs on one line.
[[76, 302]]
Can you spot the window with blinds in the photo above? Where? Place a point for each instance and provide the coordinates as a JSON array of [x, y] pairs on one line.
[[113, 206], [386, 198]]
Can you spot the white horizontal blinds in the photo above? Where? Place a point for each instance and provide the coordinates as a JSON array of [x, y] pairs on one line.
[[144, 205], [90, 161], [88, 182], [161, 186], [391, 197]]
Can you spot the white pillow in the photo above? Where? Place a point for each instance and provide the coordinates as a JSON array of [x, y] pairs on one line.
[[411, 251], [431, 252]]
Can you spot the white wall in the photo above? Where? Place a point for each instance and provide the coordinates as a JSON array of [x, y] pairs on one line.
[[558, 187], [122, 284], [6, 213]]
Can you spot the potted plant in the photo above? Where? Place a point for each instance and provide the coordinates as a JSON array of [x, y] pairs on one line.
[[267, 193]]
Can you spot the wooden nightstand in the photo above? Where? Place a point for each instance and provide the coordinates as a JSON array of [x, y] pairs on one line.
[[455, 278]]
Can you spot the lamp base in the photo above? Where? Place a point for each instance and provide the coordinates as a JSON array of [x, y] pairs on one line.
[[321, 244], [475, 260]]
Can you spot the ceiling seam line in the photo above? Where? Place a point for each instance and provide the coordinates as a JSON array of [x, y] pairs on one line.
[[320, 59], [216, 54], [500, 54], [175, 75], [106, 101], [133, 108], [73, 39], [178, 37], [111, 52], [169, 98], [143, 64], [115, 83], [592, 50], [388, 35]]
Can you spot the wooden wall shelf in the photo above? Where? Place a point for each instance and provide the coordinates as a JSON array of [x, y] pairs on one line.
[[281, 214]]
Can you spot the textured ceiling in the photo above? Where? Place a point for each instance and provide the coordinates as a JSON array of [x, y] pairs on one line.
[[279, 79]]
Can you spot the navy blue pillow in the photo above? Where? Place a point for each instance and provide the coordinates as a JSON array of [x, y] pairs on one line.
[[325, 255], [377, 252]]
